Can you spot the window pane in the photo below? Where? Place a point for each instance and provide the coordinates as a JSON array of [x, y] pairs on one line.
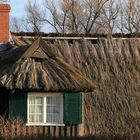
[[53, 109], [32, 109], [49, 109], [49, 100], [39, 118], [36, 109], [56, 118], [39, 100], [31, 100], [31, 118], [49, 118], [39, 109], [56, 109]]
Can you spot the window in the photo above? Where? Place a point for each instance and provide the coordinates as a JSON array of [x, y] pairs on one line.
[[52, 109], [45, 109]]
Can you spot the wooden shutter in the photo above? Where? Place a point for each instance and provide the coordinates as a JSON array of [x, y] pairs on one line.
[[72, 108], [18, 106]]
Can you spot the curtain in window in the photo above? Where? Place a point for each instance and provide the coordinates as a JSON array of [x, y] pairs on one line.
[[46, 109], [53, 109], [36, 109]]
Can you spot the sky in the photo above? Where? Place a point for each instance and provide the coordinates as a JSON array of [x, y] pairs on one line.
[[18, 10], [18, 7]]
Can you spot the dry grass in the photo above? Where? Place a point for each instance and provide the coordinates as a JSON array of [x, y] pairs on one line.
[[11, 129], [16, 130]]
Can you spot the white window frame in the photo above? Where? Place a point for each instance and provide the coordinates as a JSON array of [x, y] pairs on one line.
[[39, 94]]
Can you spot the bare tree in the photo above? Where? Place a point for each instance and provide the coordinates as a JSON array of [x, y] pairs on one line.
[[16, 25], [74, 16], [81, 16], [71, 8], [109, 16], [54, 18], [63, 15], [121, 19], [33, 17], [92, 12], [130, 17]]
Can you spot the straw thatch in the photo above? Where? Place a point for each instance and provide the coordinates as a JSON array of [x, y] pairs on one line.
[[60, 65], [72, 65], [36, 68]]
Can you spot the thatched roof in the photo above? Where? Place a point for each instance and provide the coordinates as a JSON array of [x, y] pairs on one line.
[[36, 67], [66, 65], [113, 65]]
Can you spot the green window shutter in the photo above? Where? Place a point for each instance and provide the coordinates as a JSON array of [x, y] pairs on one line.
[[72, 108], [18, 106]]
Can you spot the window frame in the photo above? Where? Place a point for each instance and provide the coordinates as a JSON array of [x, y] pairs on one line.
[[44, 95]]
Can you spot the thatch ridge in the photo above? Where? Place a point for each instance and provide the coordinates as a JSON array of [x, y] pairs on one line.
[[117, 35]]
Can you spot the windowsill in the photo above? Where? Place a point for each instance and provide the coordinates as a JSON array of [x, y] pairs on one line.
[[43, 124]]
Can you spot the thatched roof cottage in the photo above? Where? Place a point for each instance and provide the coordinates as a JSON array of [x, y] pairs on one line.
[[58, 78], [70, 86]]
